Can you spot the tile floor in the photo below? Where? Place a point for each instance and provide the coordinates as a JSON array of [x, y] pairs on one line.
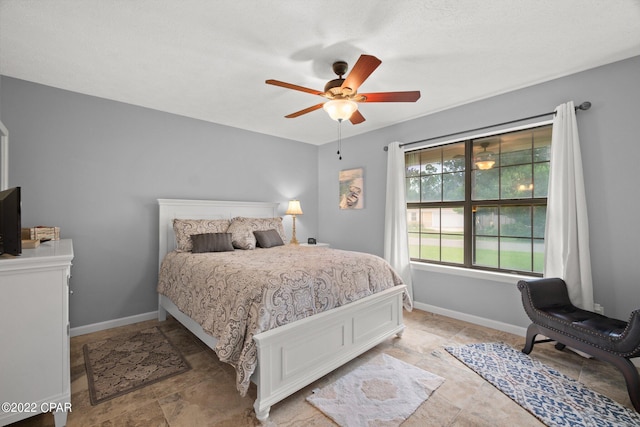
[[206, 395]]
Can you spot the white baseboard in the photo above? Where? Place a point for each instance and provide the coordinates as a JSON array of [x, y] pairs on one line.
[[101, 326], [500, 326], [477, 320]]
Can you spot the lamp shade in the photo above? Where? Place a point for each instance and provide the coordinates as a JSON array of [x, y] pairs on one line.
[[294, 208], [340, 109]]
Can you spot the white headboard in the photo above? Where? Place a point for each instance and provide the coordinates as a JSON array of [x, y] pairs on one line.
[[204, 209]]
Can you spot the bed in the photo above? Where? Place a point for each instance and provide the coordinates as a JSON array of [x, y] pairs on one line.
[[305, 333]]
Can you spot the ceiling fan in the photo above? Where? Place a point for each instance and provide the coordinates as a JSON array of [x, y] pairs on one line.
[[342, 93]]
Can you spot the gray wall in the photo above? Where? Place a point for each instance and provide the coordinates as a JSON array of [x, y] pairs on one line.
[[610, 141], [96, 167]]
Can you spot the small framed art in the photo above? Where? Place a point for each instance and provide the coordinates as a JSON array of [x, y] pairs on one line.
[[351, 189]]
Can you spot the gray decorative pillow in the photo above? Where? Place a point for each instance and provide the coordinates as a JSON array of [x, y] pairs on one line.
[[242, 229], [185, 228], [211, 242], [268, 238]]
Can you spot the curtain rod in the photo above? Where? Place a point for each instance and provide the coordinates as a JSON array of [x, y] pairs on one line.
[[584, 106]]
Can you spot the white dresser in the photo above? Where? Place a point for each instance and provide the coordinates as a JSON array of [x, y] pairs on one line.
[[34, 332]]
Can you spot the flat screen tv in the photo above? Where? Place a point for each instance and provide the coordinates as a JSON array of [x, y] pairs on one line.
[[10, 222]]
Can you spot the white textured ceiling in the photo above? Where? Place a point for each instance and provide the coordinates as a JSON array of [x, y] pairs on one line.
[[208, 59]]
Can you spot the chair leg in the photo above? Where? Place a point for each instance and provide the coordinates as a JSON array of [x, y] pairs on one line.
[[631, 377], [628, 370], [532, 332], [625, 366]]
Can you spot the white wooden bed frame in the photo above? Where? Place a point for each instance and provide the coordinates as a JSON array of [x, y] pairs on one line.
[[294, 355]]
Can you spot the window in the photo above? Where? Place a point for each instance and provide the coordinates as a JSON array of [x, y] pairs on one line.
[[480, 203]]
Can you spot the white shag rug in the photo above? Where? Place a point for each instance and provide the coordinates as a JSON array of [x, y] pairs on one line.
[[384, 391]]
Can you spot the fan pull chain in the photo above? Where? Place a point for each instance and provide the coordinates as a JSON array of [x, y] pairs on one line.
[[339, 139]]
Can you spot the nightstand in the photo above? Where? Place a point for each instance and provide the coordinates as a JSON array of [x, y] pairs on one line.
[[318, 245]]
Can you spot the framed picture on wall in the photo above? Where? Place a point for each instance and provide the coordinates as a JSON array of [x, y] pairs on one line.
[[351, 189]]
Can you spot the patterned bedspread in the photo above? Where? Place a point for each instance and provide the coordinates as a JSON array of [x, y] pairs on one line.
[[236, 295]]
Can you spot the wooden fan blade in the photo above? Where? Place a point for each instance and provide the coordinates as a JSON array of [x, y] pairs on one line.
[[356, 117], [294, 87], [364, 67], [411, 96], [305, 111]]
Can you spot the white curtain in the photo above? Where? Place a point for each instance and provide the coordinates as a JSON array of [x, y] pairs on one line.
[[396, 241], [567, 229]]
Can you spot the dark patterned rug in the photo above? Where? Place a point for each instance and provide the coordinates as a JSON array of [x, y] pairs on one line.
[[554, 398], [122, 364]]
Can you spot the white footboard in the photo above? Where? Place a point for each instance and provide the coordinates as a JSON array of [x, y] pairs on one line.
[[293, 356]]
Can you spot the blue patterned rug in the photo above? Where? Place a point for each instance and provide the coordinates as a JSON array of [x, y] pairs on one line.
[[551, 396]]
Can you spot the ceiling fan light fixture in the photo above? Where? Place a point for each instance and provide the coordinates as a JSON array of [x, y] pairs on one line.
[[484, 160], [342, 93], [340, 109], [485, 164]]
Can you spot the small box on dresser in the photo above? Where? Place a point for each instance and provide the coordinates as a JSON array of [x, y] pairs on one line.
[[41, 232]]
